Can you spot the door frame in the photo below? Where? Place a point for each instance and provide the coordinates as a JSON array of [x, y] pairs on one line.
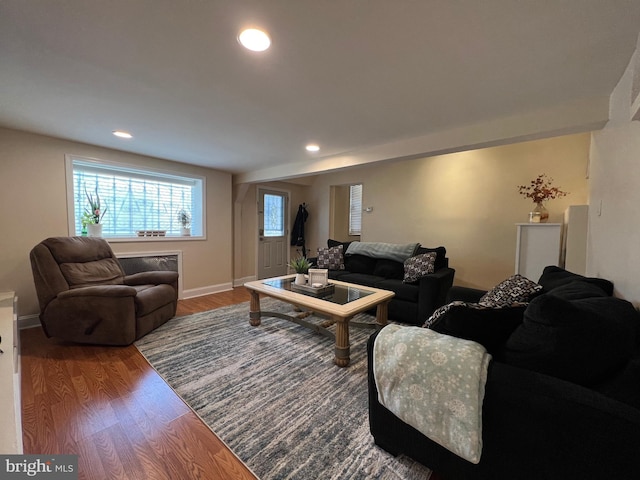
[[287, 219]]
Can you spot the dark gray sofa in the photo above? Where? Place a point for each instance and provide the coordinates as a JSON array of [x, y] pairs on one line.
[[562, 398], [413, 303]]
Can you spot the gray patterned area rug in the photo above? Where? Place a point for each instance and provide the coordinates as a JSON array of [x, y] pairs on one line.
[[273, 394]]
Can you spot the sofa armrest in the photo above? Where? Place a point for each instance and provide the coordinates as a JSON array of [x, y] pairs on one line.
[[433, 291], [534, 426], [103, 314], [97, 291], [464, 294], [154, 277]]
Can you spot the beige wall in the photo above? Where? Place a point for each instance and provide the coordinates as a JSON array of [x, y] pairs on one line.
[[34, 207], [614, 219], [466, 201]]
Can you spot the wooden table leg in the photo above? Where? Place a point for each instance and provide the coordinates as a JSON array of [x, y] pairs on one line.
[[254, 308], [343, 348], [382, 314]]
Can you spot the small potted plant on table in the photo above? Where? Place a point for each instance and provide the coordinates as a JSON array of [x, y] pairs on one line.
[[301, 266]]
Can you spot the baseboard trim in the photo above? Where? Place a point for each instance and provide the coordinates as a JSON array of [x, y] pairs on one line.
[[208, 290], [28, 321], [239, 282]]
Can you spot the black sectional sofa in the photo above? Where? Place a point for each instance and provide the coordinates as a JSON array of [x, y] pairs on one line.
[[562, 398], [413, 302]]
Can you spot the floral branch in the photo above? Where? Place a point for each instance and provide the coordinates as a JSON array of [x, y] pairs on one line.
[[541, 189]]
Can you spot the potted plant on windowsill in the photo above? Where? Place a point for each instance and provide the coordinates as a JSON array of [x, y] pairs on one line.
[[185, 221], [301, 266], [93, 215]]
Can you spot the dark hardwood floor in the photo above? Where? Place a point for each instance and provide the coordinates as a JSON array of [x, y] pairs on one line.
[[108, 406]]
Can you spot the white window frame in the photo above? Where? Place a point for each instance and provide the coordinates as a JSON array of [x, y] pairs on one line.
[[133, 169], [355, 209]]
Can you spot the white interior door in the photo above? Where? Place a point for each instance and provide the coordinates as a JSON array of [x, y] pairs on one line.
[[273, 230]]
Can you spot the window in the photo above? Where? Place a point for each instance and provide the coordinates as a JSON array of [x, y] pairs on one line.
[[355, 209], [133, 199], [273, 215]]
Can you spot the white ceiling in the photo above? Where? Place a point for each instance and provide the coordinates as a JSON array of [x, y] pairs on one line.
[[357, 76]]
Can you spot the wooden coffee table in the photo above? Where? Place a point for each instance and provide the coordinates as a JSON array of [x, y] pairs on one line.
[[341, 306]]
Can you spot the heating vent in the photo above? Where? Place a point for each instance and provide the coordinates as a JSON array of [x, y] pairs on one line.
[[137, 262]]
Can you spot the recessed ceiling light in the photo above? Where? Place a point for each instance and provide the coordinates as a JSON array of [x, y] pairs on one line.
[[312, 147], [122, 134], [254, 39]]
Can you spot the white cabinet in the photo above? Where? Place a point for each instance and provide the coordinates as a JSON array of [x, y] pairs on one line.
[[10, 407], [537, 245]]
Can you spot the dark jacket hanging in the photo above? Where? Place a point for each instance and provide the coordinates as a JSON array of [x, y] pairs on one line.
[[297, 233]]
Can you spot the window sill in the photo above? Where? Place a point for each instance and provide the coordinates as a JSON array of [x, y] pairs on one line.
[[167, 238]]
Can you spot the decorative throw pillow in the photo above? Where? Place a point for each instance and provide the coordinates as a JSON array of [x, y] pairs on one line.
[[331, 258], [553, 277], [440, 312], [489, 326], [419, 266], [441, 258], [515, 289]]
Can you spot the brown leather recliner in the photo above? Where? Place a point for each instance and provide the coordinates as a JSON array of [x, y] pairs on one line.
[[85, 296]]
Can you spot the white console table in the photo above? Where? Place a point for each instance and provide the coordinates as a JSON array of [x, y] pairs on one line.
[[537, 245], [10, 402]]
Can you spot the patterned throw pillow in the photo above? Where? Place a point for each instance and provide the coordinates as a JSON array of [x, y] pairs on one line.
[[443, 310], [515, 289], [489, 326], [439, 312], [419, 266], [331, 258]]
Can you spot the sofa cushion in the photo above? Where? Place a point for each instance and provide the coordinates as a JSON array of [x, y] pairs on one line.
[[582, 341], [624, 385], [152, 297], [361, 279], [78, 249], [404, 291], [515, 289], [99, 272], [418, 266], [331, 258], [441, 255], [389, 269], [359, 264], [578, 290], [553, 277], [488, 326], [338, 274]]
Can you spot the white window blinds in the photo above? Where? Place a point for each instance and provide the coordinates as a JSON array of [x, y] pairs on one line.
[[134, 199], [355, 209]]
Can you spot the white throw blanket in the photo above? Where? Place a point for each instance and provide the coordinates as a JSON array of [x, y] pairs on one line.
[[435, 383], [391, 251]]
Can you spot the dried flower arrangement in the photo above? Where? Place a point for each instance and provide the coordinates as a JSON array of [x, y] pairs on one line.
[[541, 189]]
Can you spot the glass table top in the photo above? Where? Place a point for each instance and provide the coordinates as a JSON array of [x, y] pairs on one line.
[[341, 294]]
